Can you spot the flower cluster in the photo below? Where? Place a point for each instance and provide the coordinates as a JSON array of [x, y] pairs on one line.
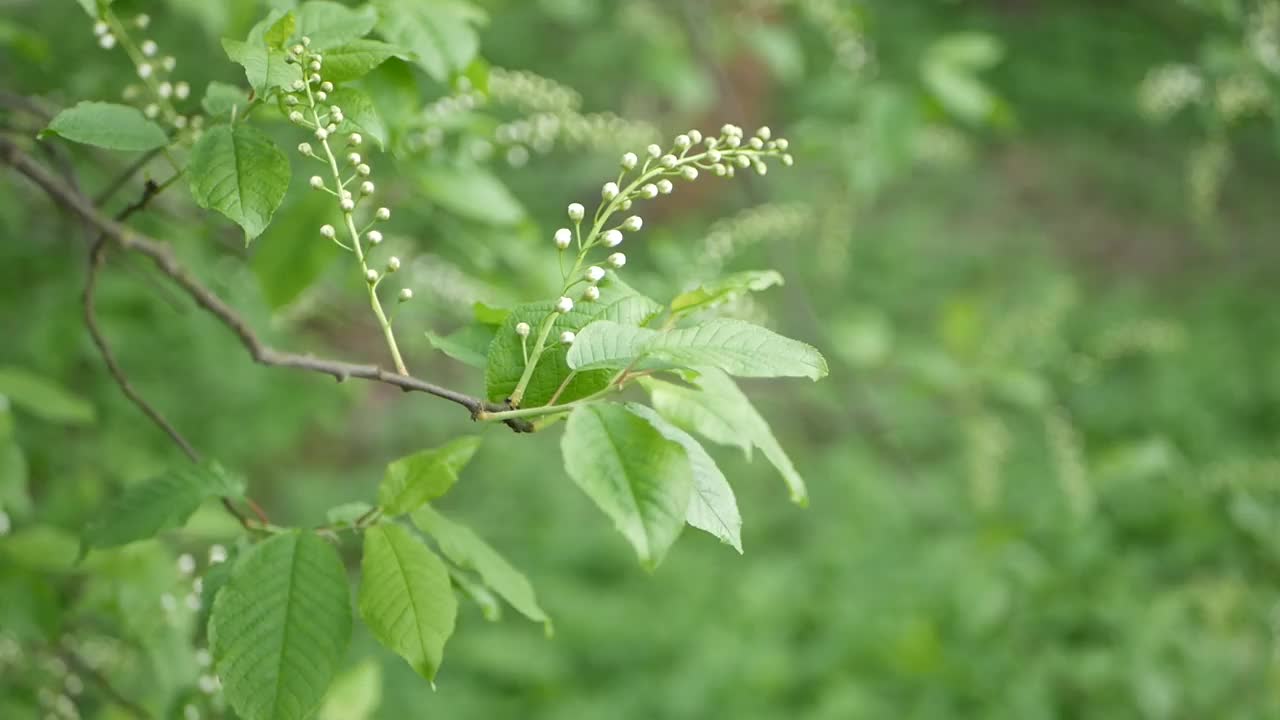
[[159, 91], [306, 102]]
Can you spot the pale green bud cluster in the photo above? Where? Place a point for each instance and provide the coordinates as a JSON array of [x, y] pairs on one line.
[[158, 91]]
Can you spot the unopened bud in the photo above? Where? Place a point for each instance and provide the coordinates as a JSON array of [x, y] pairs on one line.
[[629, 161], [564, 305], [317, 182], [328, 231], [617, 260], [594, 274], [383, 213], [522, 329], [567, 337], [406, 295], [591, 294], [612, 238], [564, 236], [373, 236], [576, 211]]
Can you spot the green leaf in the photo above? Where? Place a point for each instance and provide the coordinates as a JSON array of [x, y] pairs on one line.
[[469, 345], [353, 60], [640, 479], [356, 694], [720, 412], [160, 503], [489, 314], [466, 550], [406, 598], [712, 506], [220, 97], [442, 33], [359, 114], [239, 171], [277, 34], [265, 68], [618, 302], [107, 125], [415, 479], [42, 398], [280, 627], [472, 193], [724, 290], [43, 548], [477, 593], [330, 24], [737, 347]]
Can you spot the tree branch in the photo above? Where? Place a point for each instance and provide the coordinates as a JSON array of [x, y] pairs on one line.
[[162, 256]]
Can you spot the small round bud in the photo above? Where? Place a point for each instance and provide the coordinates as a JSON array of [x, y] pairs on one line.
[[764, 133], [383, 213], [609, 191], [355, 139], [328, 231], [683, 142], [393, 264], [326, 86], [186, 564], [165, 89], [665, 187], [406, 295], [690, 172], [371, 276], [322, 133], [217, 554], [564, 305], [612, 238], [668, 161], [695, 136], [151, 110], [148, 47], [106, 42], [322, 95], [625, 204], [654, 151], [591, 294], [363, 169], [182, 90], [756, 143], [169, 63], [567, 337], [317, 182], [298, 85], [564, 236], [522, 329], [297, 49], [781, 144], [366, 188], [576, 211], [761, 168], [629, 161], [314, 79], [315, 65], [305, 148], [633, 223], [594, 274], [180, 121], [733, 141], [728, 170], [649, 191], [295, 116], [744, 161], [142, 21], [374, 237], [306, 41], [337, 118], [719, 169], [334, 109], [788, 160], [347, 204], [617, 260], [331, 128], [727, 130], [100, 28], [145, 70], [353, 158], [713, 155]]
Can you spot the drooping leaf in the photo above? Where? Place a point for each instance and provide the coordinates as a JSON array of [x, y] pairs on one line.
[[160, 503], [476, 591], [353, 60], [618, 302], [265, 68], [280, 627], [712, 506], [406, 598], [464, 548], [724, 290], [737, 347], [720, 412], [220, 97], [423, 476], [471, 192], [359, 114], [441, 34], [239, 171], [469, 345], [107, 125], [330, 24], [640, 479], [42, 398]]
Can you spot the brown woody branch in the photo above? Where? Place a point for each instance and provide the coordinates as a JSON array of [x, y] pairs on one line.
[[162, 256]]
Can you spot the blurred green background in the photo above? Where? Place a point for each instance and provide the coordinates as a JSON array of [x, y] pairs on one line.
[[1035, 238]]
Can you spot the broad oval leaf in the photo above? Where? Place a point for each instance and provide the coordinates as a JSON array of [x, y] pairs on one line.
[[712, 506], [441, 33], [723, 290], [239, 171], [640, 479], [406, 597], [265, 68], [353, 60], [107, 125], [468, 345], [160, 503], [359, 113], [280, 627], [423, 476], [220, 97], [329, 24], [42, 398], [464, 548]]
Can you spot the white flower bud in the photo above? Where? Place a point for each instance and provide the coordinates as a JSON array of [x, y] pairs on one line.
[[719, 169], [733, 141], [371, 276], [306, 41], [217, 554], [355, 139], [374, 237], [668, 161], [145, 70], [169, 63], [297, 49], [609, 191], [298, 85], [576, 211], [151, 110], [594, 274], [331, 128], [106, 42], [383, 213], [164, 89], [180, 121], [322, 95], [393, 264], [335, 110], [182, 90], [315, 65], [713, 155], [344, 194], [322, 133], [295, 116], [567, 337], [142, 21], [649, 191], [337, 118], [612, 238], [564, 236], [756, 143], [591, 294], [100, 28], [314, 79], [633, 223], [347, 204], [764, 133], [781, 144], [744, 161], [328, 231], [304, 148], [326, 86], [728, 170], [683, 142], [665, 187], [695, 136], [317, 182], [690, 172], [406, 295], [366, 188], [523, 329], [186, 564], [363, 169], [564, 305], [654, 151], [788, 160], [727, 130], [353, 158], [629, 161], [148, 47], [625, 204], [617, 260]]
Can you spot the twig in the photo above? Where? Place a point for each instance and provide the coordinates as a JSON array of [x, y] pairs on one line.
[[124, 177], [167, 262]]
